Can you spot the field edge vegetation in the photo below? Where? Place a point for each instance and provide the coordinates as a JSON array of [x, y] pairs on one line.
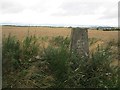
[[40, 62]]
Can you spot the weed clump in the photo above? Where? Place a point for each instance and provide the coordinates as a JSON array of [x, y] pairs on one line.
[[57, 67]]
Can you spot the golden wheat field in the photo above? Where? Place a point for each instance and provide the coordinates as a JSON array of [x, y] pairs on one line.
[[21, 32], [36, 66]]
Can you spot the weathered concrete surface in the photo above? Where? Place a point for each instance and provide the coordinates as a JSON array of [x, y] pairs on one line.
[[79, 42]]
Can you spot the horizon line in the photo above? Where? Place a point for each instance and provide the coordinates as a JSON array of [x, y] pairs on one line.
[[56, 25]]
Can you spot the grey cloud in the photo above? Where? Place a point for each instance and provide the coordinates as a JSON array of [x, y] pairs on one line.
[[79, 8], [110, 13], [7, 7], [109, 16], [38, 8]]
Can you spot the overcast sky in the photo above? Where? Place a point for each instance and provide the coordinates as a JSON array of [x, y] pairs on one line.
[[80, 12]]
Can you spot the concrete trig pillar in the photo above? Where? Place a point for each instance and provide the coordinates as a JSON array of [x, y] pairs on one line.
[[79, 42]]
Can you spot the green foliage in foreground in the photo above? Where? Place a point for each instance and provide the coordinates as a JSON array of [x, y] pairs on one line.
[[65, 69], [11, 50], [96, 72]]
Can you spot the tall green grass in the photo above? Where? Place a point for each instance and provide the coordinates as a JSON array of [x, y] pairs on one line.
[[30, 48], [11, 52], [19, 52], [68, 69]]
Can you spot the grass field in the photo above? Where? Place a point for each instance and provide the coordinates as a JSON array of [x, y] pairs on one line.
[[21, 32], [42, 59], [102, 37]]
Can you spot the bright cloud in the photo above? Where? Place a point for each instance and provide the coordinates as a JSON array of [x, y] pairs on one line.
[[80, 12]]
